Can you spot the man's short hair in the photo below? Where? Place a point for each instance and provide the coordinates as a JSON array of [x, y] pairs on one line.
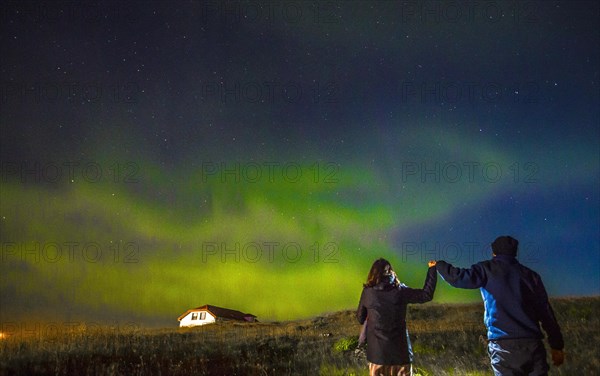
[[505, 245]]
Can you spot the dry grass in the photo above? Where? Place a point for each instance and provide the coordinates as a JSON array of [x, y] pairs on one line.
[[447, 339]]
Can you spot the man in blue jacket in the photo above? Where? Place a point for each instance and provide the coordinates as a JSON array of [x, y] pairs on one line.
[[516, 303]]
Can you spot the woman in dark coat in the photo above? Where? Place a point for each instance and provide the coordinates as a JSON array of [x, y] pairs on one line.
[[383, 305]]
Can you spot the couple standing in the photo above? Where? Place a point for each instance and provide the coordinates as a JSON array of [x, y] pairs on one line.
[[515, 302]]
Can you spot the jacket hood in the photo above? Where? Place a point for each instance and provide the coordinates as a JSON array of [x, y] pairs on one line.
[[381, 286]]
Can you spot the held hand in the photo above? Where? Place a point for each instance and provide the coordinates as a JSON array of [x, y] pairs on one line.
[[558, 357], [431, 263]]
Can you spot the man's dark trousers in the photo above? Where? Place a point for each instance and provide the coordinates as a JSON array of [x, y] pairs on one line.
[[518, 357]]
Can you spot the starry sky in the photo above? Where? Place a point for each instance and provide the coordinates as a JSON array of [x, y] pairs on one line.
[[157, 156]]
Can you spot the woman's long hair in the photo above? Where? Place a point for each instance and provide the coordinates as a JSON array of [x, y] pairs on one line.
[[380, 272]]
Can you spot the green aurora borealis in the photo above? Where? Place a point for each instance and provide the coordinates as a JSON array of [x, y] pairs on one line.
[[200, 175], [279, 245]]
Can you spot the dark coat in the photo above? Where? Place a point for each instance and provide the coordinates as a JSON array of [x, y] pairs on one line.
[[384, 308], [514, 296]]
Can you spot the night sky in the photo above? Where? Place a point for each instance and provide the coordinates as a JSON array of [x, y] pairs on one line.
[[157, 156]]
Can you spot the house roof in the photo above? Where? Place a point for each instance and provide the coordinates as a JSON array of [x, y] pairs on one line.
[[219, 312]]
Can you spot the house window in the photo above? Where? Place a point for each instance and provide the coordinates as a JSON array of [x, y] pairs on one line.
[[194, 315], [202, 315]]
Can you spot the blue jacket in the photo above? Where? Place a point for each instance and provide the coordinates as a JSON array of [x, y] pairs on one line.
[[514, 296]]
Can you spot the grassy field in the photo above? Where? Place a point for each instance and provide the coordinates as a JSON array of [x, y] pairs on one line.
[[447, 340]]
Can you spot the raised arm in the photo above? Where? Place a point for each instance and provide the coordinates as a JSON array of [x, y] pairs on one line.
[[426, 293], [471, 278]]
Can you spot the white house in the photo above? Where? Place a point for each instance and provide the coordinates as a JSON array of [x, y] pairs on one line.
[[208, 314]]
